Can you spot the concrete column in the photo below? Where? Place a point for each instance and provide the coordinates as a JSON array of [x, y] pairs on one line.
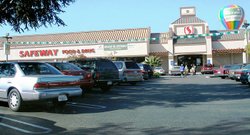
[[170, 62], [244, 57], [209, 59]]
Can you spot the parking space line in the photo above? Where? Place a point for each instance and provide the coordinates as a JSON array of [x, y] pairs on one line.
[[46, 130], [84, 105]]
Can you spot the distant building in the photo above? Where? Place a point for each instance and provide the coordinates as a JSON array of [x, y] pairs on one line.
[[194, 48]]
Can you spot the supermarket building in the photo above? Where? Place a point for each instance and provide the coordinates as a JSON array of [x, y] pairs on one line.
[[188, 41]]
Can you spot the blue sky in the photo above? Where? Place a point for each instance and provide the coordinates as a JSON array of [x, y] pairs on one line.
[[95, 15]]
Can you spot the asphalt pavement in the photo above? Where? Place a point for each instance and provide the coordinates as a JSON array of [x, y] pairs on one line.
[[193, 105]]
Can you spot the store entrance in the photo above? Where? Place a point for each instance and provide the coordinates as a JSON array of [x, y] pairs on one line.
[[189, 60]]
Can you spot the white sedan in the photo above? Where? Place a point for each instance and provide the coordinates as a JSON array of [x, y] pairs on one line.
[[33, 81], [159, 70]]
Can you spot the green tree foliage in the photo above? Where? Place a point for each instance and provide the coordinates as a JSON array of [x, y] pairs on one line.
[[153, 61], [25, 14], [248, 49]]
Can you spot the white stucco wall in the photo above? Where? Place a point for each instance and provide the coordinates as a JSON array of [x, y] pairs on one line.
[[184, 49], [63, 51], [228, 44]]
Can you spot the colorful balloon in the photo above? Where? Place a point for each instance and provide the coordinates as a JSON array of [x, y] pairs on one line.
[[231, 16]]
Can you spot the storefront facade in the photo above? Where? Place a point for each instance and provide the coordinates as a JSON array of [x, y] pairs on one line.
[[180, 45]]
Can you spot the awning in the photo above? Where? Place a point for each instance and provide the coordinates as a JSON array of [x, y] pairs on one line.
[[225, 51]]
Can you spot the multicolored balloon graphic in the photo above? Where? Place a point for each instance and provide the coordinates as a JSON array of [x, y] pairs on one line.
[[231, 16]]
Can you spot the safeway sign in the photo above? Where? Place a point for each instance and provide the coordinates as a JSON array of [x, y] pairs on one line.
[[188, 30]]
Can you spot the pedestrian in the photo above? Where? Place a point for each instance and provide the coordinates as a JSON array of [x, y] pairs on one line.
[[182, 69], [186, 70], [193, 69]]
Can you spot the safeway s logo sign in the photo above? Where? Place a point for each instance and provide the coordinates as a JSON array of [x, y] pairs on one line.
[[189, 30]]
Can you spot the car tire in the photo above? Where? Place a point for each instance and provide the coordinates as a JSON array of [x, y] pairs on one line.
[[61, 104], [223, 77], [105, 88], [15, 100], [132, 83], [243, 82]]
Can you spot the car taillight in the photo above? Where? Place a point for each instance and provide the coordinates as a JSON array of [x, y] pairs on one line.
[[143, 71], [41, 85], [88, 75], [238, 72], [45, 85], [226, 71], [96, 75]]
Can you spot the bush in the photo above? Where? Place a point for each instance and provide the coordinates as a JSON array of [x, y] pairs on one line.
[[156, 75]]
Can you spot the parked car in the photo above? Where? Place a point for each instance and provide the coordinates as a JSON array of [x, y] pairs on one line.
[[222, 71], [147, 70], [207, 69], [104, 71], [175, 70], [66, 68], [35, 81], [235, 71], [159, 70], [129, 72], [244, 76]]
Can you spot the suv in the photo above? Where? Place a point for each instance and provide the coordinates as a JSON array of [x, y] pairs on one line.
[[129, 72], [66, 68], [104, 71]]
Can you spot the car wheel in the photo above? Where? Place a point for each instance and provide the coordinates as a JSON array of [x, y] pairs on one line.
[[14, 100], [105, 88], [61, 104], [223, 77], [132, 83], [243, 82]]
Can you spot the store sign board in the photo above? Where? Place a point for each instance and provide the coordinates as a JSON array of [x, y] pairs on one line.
[[189, 30], [115, 47]]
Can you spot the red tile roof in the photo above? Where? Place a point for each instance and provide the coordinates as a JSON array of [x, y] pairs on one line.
[[105, 35]]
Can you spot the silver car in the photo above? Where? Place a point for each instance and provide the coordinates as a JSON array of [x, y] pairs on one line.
[[34, 81]]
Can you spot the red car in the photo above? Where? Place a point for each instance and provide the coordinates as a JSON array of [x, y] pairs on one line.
[[66, 68], [207, 69], [222, 71]]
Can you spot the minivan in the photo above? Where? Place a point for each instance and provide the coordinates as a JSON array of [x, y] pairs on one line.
[[129, 72]]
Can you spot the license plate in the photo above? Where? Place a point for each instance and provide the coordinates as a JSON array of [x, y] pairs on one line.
[[109, 83], [62, 98]]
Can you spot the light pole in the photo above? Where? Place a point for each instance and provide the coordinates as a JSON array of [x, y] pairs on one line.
[[6, 45], [245, 25]]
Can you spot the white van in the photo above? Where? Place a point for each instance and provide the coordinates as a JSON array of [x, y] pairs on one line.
[[129, 72]]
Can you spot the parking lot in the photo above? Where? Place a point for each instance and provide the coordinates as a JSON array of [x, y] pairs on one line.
[[167, 105]]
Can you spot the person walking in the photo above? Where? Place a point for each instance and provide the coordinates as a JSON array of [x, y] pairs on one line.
[[182, 69], [193, 69]]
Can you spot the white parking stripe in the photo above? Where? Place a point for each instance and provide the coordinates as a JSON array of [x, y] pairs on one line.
[[84, 105], [46, 130]]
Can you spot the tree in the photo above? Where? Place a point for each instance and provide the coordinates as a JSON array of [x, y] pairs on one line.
[[153, 61], [25, 14]]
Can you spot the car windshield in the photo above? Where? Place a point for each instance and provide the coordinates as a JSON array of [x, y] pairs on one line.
[[247, 66], [131, 65], [158, 67], [118, 65], [66, 66], [35, 68], [227, 66], [236, 67]]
